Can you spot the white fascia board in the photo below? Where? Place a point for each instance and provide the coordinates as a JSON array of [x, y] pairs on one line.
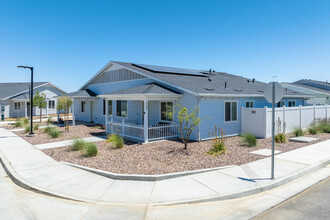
[[161, 81], [25, 91], [98, 73], [56, 87], [247, 95]]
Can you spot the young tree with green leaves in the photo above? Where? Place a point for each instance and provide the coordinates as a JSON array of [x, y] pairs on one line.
[[39, 100], [64, 103], [187, 121]]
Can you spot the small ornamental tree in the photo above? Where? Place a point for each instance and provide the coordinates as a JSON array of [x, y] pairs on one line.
[[39, 100], [187, 121], [64, 103]]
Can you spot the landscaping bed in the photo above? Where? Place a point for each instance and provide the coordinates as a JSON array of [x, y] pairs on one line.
[[169, 156], [81, 131]]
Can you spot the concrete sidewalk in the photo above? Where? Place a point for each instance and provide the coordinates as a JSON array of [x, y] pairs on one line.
[[29, 167]]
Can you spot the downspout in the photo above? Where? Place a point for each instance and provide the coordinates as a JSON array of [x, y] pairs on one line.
[[199, 116]]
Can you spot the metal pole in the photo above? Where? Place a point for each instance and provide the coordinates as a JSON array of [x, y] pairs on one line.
[[273, 128], [31, 104]]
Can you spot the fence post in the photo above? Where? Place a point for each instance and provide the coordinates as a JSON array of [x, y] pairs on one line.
[[111, 125], [300, 115], [266, 121], [326, 112], [314, 113], [122, 127], [284, 120]]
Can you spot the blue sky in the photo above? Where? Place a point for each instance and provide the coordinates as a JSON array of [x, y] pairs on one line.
[[69, 41]]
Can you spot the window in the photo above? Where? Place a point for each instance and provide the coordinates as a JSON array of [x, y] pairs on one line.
[[83, 105], [230, 111], [51, 104], [291, 103], [166, 109], [249, 104], [280, 104], [122, 108], [104, 106], [17, 106], [110, 107]]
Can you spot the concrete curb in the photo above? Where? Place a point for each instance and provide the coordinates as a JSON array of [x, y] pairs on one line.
[[141, 177], [256, 189]]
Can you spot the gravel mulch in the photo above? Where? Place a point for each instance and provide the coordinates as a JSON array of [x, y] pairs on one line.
[[78, 131], [169, 156]]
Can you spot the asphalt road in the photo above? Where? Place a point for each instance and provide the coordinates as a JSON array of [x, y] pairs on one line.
[[313, 203]]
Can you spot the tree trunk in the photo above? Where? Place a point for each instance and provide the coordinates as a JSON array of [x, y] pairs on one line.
[[40, 114], [185, 145]]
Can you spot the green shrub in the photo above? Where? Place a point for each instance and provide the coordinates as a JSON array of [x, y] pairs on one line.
[[217, 149], [313, 130], [324, 126], [78, 144], [90, 150], [49, 121], [298, 132], [249, 140], [48, 129], [25, 121], [27, 129], [54, 132], [116, 140], [280, 138], [36, 127], [18, 124]]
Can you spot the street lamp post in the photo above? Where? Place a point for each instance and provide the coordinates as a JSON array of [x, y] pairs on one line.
[[31, 99]]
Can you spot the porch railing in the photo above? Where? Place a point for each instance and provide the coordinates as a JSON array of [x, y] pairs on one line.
[[136, 131]]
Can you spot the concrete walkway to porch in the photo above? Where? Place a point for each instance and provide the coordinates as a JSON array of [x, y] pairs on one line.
[[31, 168]]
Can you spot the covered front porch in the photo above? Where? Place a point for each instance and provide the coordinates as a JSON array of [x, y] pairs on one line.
[[141, 113]]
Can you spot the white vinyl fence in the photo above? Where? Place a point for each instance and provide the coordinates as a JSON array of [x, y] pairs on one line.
[[258, 120]]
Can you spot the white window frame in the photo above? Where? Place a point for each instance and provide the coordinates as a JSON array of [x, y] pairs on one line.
[[292, 101], [224, 112], [160, 111], [280, 104], [17, 106], [121, 110], [50, 104], [249, 101]]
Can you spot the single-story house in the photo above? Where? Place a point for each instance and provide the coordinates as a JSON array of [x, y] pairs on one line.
[[318, 89], [132, 99], [15, 98]]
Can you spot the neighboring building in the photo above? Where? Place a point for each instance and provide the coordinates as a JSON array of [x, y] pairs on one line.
[[15, 98], [320, 90], [136, 97]]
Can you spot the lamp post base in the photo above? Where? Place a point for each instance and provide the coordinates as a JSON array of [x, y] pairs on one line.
[[30, 135]]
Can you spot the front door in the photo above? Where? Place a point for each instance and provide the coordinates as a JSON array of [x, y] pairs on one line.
[[92, 111]]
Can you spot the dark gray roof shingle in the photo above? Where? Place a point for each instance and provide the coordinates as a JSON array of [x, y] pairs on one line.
[[152, 88], [82, 93], [11, 89]]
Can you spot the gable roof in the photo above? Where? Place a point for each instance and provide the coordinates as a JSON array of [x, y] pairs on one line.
[[8, 90], [319, 86], [218, 83]]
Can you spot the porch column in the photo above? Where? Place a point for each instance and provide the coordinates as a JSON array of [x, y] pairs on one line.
[[106, 115], [146, 123], [73, 114], [47, 103], [25, 109]]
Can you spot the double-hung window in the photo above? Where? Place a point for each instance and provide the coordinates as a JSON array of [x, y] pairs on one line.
[[291, 103], [249, 104], [166, 111], [230, 111], [51, 104], [280, 104], [122, 108], [83, 106], [17, 106]]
